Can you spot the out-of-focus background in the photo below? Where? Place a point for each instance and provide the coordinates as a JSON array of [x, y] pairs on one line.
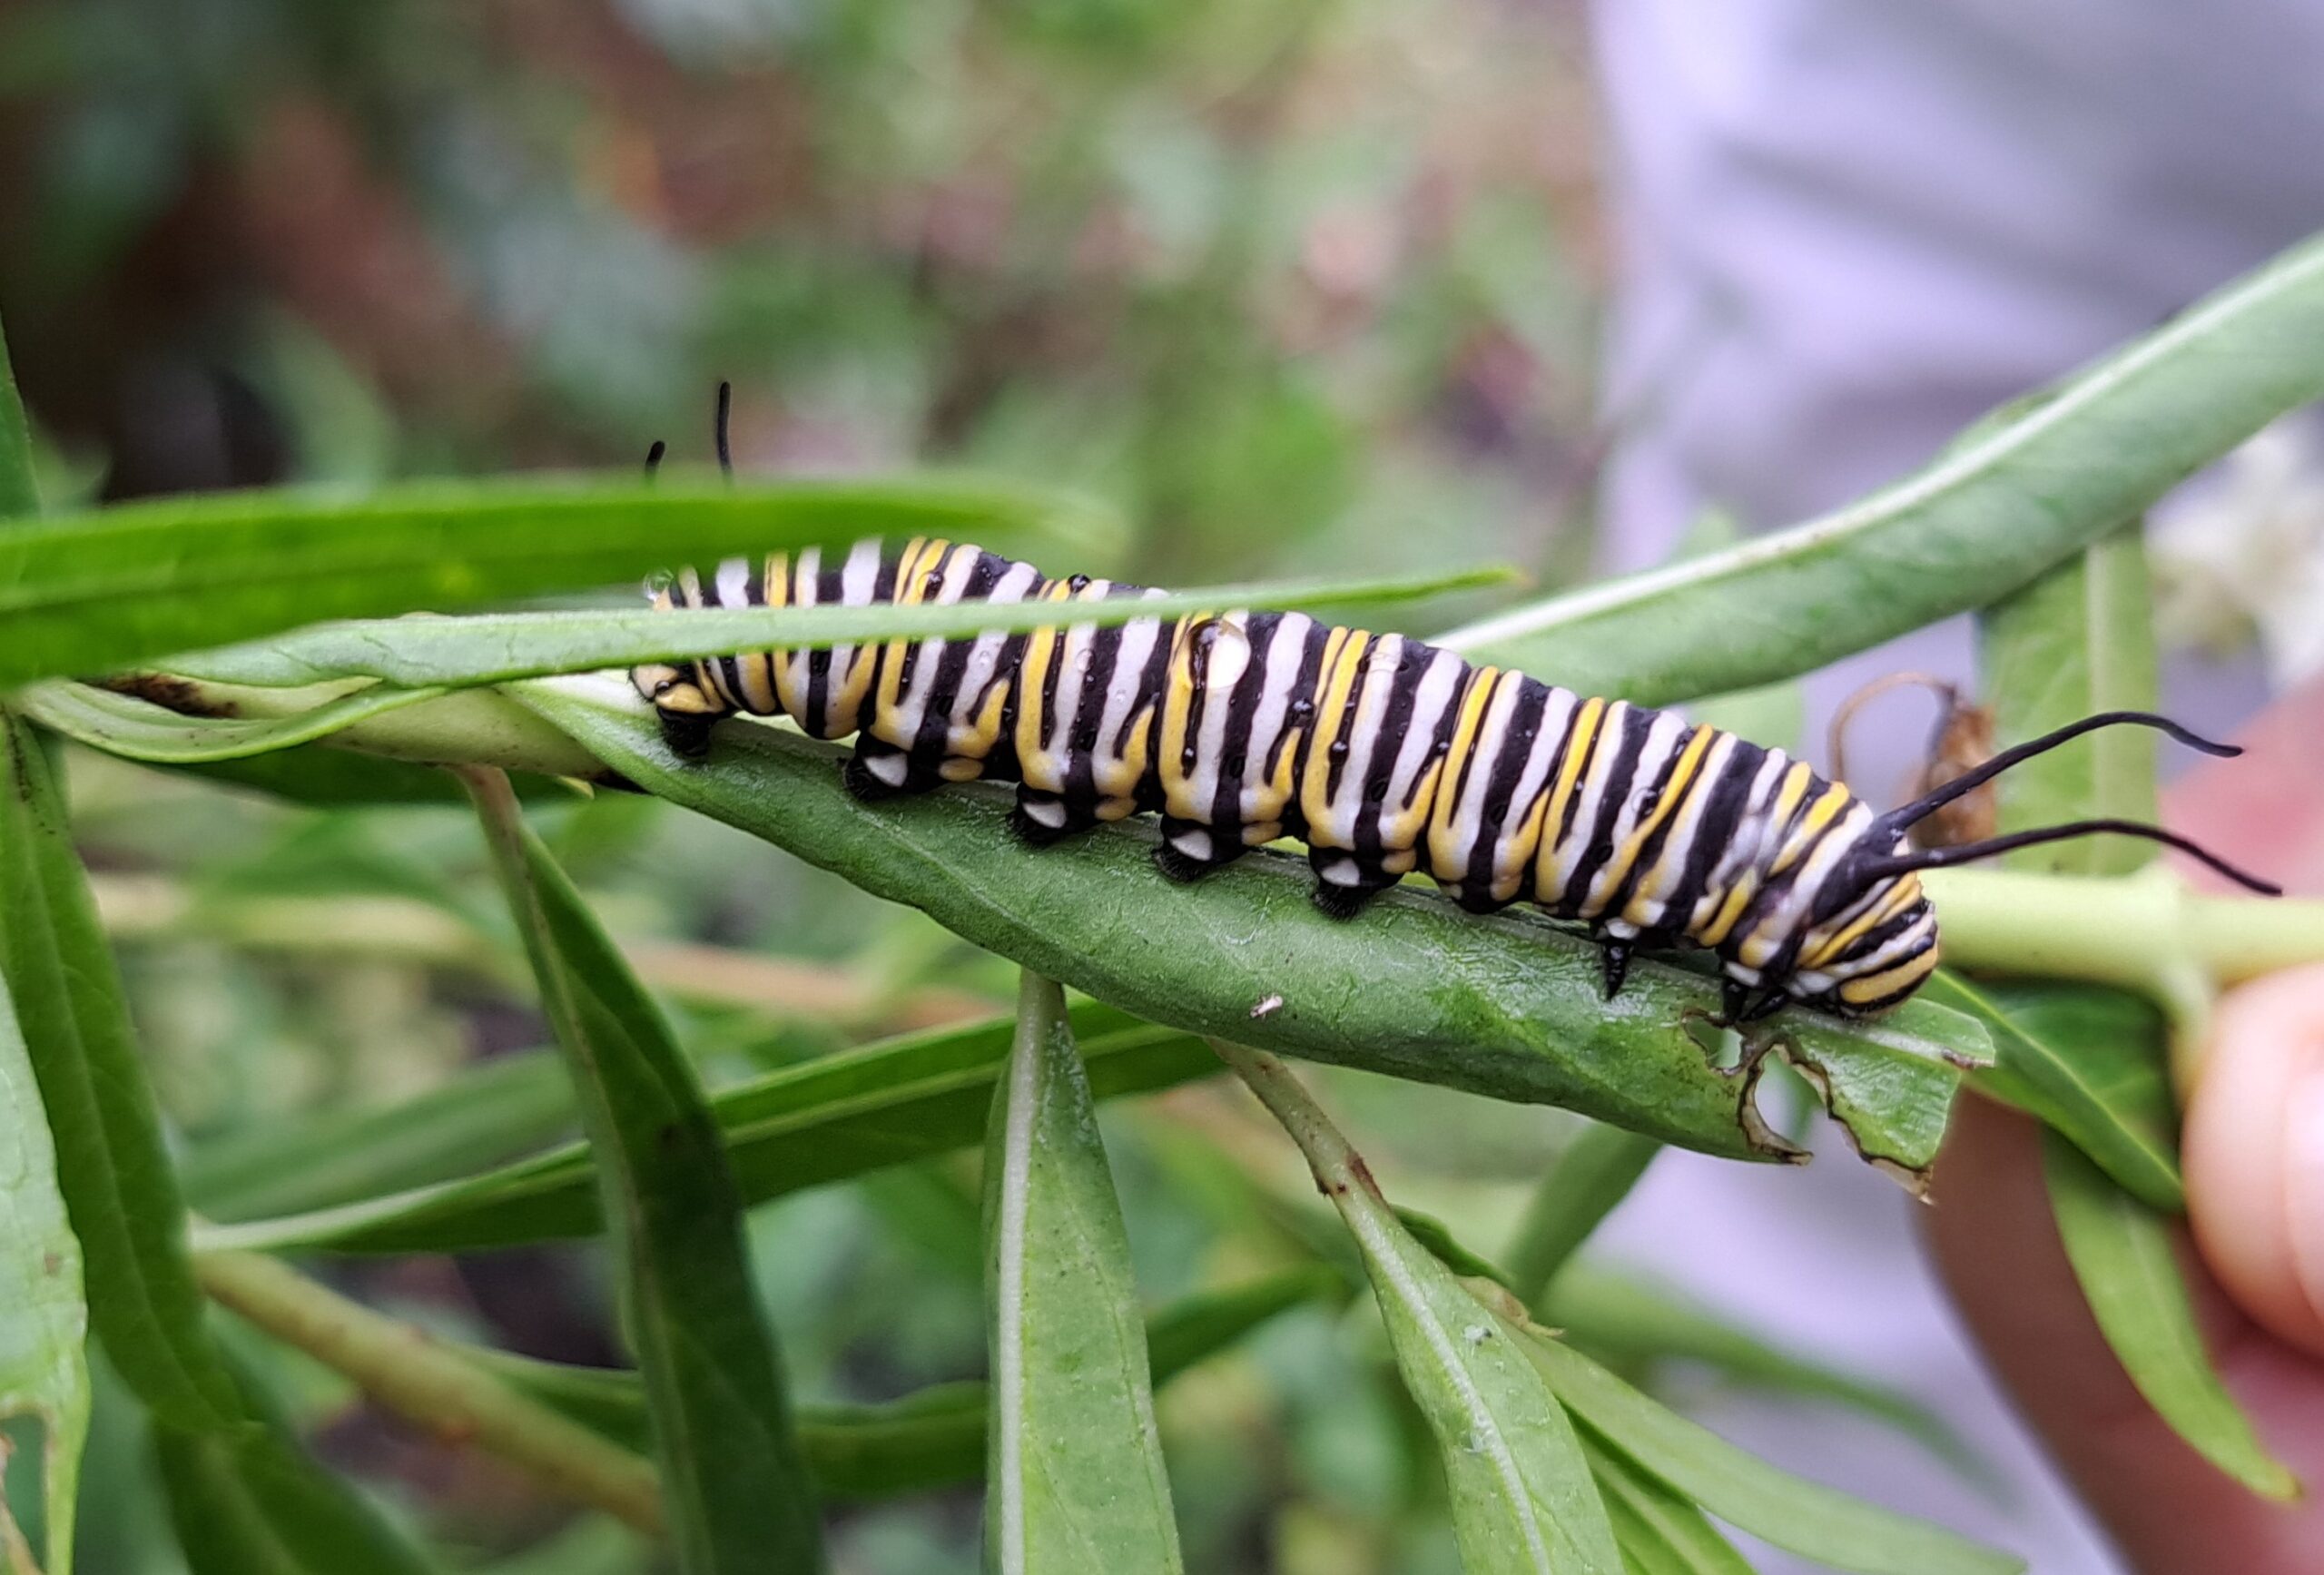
[[1292, 284], [1281, 279]]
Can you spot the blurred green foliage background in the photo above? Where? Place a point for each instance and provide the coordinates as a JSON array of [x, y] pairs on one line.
[[1282, 278]]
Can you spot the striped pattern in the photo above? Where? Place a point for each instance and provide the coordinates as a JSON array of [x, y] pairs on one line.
[[1383, 755]]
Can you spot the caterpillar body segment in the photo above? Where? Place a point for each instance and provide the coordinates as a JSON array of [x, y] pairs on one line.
[[1382, 754]]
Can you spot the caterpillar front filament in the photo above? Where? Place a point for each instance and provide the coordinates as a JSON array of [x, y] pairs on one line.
[[1382, 754]]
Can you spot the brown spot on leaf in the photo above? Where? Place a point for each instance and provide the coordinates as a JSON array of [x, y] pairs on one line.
[[171, 693]]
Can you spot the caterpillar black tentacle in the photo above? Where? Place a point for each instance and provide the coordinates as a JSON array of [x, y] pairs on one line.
[[1385, 755]]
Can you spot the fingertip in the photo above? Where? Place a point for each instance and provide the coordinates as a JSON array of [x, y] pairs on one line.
[[2253, 1153]]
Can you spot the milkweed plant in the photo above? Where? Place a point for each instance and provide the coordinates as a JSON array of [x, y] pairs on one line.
[[266, 640]]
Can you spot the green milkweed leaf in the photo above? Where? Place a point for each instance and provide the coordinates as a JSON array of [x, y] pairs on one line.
[[2017, 496], [119, 1189], [1661, 1532], [827, 1119], [2120, 1250], [1522, 1493], [1590, 1174], [1504, 1006], [2088, 1062], [734, 1488], [2077, 640], [494, 647], [1073, 1468], [1746, 1491], [2080, 639], [97, 592], [135, 728], [168, 721], [44, 1310], [44, 1307]]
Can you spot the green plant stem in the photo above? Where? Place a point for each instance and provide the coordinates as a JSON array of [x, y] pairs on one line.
[[2147, 933], [2130, 931], [420, 934], [1338, 1169], [409, 1372]]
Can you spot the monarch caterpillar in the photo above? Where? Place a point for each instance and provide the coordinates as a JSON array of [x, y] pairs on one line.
[[1382, 754]]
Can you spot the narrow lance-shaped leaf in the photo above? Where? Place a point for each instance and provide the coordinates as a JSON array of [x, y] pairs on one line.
[[481, 1117], [2018, 497], [161, 720], [119, 1189], [2077, 640], [95, 592], [1632, 1323], [1738, 1487], [1589, 1176], [736, 1488], [134, 728], [494, 647], [43, 1312], [165, 719], [1073, 1473], [1661, 1532], [1507, 1006], [934, 1437], [325, 778], [2080, 640], [1522, 1496], [838, 1115], [2088, 1062], [2122, 1255]]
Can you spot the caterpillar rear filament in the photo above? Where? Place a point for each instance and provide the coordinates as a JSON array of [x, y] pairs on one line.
[[1383, 755]]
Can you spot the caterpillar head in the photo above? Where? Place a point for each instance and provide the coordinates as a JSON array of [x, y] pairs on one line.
[[1873, 939], [673, 687]]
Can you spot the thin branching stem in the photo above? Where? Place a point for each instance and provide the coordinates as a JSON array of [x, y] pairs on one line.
[[409, 1371]]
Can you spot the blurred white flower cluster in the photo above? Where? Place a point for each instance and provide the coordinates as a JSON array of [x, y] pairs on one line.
[[2242, 558]]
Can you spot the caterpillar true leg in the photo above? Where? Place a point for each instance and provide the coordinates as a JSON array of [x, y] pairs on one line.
[[687, 736], [1616, 959]]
